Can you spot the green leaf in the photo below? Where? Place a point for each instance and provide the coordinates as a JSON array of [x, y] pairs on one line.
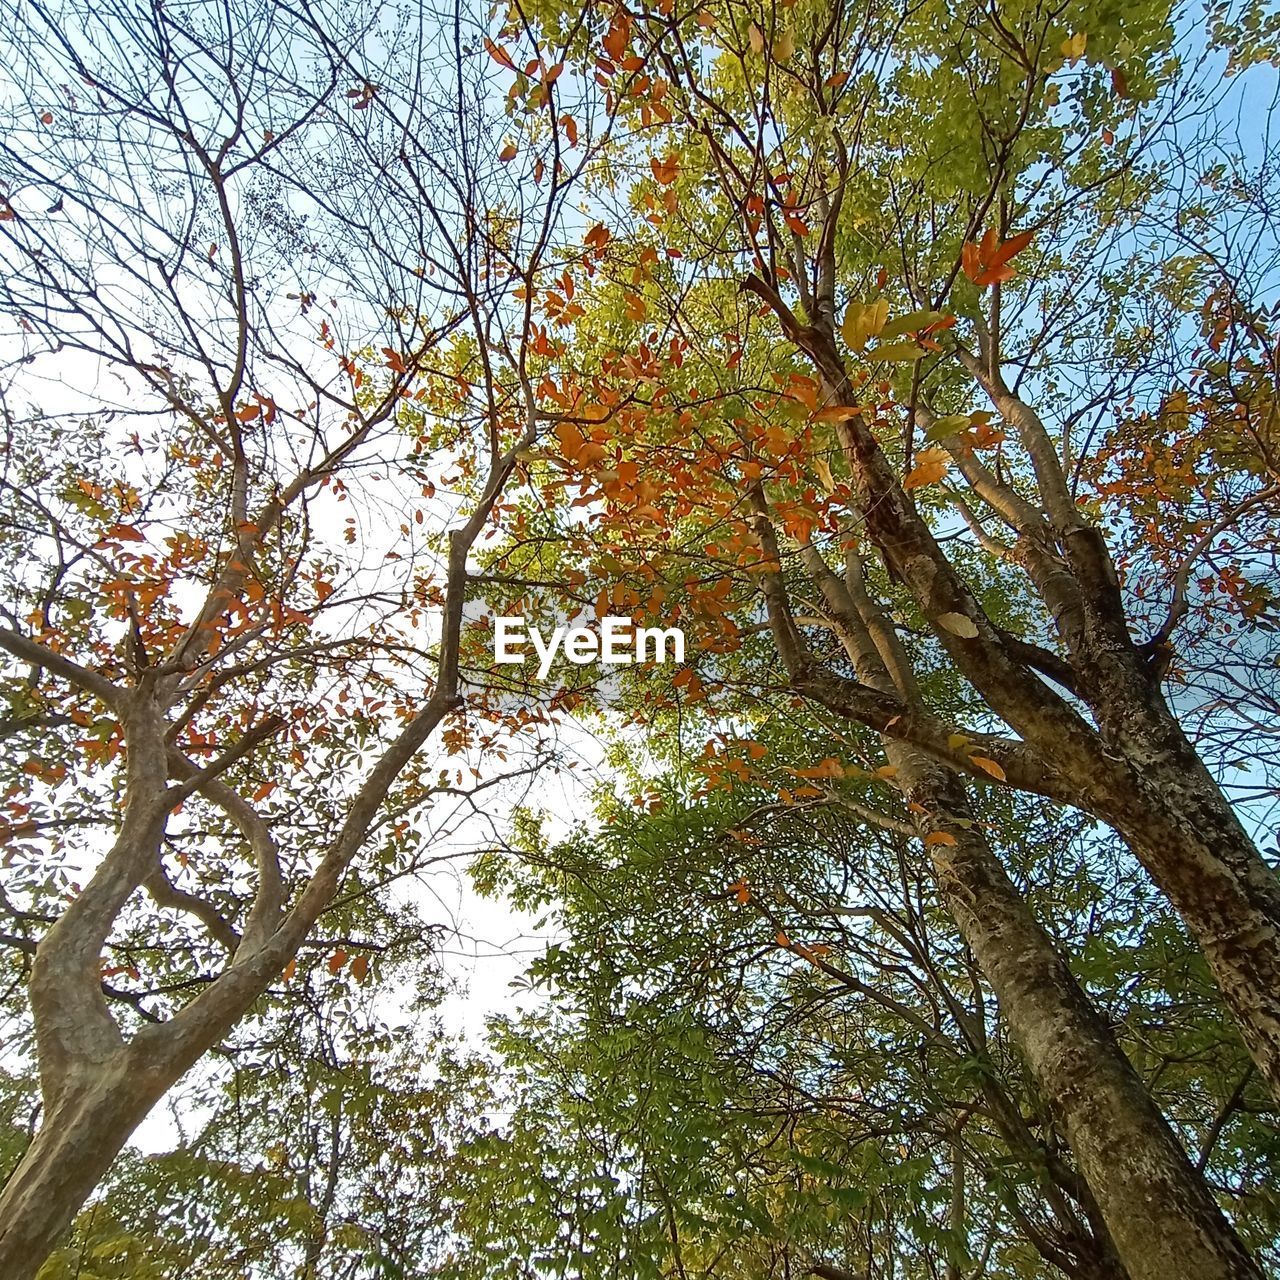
[[913, 322], [951, 425], [897, 351]]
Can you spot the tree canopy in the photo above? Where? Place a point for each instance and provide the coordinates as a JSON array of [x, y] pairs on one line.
[[918, 360]]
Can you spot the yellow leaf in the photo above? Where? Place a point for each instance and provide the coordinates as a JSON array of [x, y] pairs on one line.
[[988, 766], [755, 38], [939, 837], [1073, 46], [931, 466], [956, 741], [958, 624], [913, 322], [784, 46], [887, 771], [864, 320], [823, 468]]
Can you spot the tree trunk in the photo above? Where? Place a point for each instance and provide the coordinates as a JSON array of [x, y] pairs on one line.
[[1159, 1211], [78, 1139], [1156, 1207], [1176, 820]]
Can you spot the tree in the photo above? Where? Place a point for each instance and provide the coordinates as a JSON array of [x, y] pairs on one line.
[[765, 1047], [941, 209], [267, 282], [325, 1149]]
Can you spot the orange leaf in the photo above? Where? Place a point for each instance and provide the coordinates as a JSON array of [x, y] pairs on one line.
[[665, 171], [827, 768], [939, 837], [507, 153], [988, 262], [782, 939], [615, 42], [1015, 244], [337, 960], [931, 466], [571, 440], [360, 968], [498, 54], [988, 766], [264, 791], [124, 533]]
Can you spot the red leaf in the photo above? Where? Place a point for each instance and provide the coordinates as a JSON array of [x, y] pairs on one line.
[[337, 960]]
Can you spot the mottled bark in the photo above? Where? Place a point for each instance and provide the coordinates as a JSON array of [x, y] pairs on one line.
[[80, 1136], [1129, 764], [1157, 1208], [1177, 821]]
